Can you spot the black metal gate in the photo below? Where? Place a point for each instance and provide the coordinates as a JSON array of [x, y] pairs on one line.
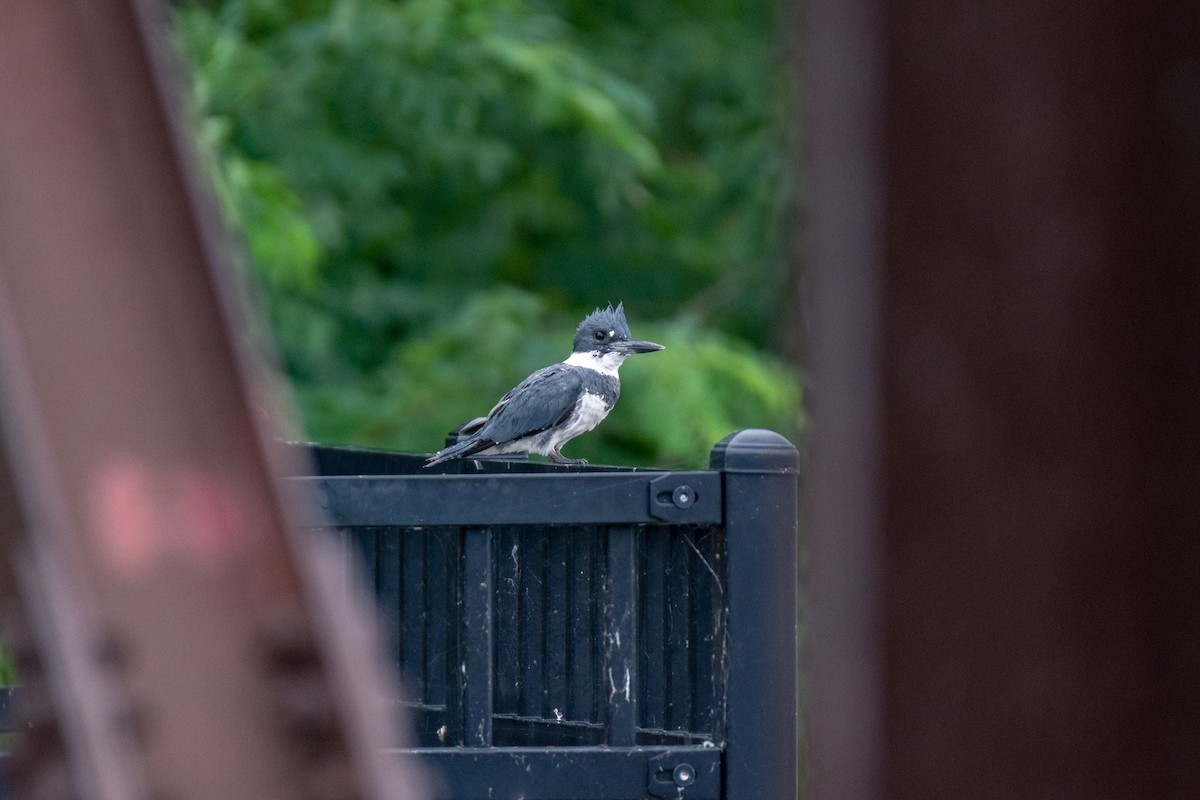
[[587, 633]]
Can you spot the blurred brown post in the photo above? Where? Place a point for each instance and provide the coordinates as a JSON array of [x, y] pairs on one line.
[[155, 538], [1006, 555]]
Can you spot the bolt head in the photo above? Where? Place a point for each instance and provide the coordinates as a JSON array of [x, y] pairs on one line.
[[683, 496], [684, 775]]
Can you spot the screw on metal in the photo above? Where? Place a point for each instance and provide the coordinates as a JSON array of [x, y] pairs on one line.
[[683, 496], [684, 775]]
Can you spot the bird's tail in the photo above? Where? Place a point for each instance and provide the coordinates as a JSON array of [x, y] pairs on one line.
[[467, 447]]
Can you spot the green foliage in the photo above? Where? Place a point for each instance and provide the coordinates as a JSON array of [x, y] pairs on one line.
[[433, 192]]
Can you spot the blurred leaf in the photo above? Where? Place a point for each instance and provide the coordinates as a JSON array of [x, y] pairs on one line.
[[433, 192]]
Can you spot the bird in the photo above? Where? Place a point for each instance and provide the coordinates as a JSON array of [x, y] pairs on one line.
[[557, 403]]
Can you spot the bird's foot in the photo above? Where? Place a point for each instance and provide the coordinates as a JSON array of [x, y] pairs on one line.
[[559, 458]]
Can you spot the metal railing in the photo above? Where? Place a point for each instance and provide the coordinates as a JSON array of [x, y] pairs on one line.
[[584, 632]]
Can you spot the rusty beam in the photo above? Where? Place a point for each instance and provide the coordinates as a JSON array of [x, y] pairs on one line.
[[129, 429], [1005, 569]]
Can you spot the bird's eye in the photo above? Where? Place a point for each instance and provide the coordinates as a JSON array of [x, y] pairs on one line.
[[600, 336]]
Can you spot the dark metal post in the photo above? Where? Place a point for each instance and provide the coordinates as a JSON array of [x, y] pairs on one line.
[[760, 475]]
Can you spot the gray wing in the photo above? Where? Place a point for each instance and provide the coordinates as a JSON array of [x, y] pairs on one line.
[[544, 399]]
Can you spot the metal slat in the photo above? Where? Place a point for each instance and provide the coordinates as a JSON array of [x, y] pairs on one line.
[[367, 542], [583, 630], [532, 623], [707, 651], [580, 773], [477, 662], [620, 677], [557, 641], [524, 499], [414, 617], [387, 587], [677, 661], [507, 632], [652, 644], [443, 649]]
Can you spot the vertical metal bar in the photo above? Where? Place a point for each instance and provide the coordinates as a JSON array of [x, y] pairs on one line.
[[415, 613], [707, 651], [677, 660], [445, 650], [366, 542], [508, 622], [600, 622], [582, 628], [557, 642], [759, 470], [388, 588], [533, 622], [652, 622], [476, 673], [620, 639]]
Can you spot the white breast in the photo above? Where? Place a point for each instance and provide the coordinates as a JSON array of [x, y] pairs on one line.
[[590, 411]]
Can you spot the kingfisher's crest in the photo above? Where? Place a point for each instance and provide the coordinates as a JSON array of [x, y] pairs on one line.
[[607, 321]]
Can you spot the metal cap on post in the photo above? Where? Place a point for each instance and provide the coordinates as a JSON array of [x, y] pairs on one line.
[[755, 450], [759, 469]]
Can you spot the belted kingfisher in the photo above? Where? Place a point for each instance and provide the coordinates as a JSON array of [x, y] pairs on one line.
[[557, 403]]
